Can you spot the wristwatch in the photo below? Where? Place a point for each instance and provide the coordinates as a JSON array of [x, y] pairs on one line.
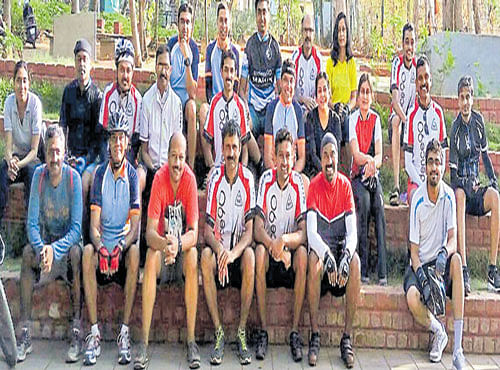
[[187, 62]]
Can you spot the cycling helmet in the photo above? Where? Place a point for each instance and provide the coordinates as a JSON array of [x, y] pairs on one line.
[[118, 122], [124, 50]]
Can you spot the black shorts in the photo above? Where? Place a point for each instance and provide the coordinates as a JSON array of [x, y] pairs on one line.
[[234, 272], [61, 270], [411, 277], [326, 287], [118, 277], [389, 129], [171, 274], [474, 203], [278, 276]]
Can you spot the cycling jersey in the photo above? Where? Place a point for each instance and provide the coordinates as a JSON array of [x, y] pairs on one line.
[[281, 209], [219, 113], [423, 126], [289, 116], [306, 71], [229, 207], [403, 80], [213, 68], [467, 142], [262, 68]]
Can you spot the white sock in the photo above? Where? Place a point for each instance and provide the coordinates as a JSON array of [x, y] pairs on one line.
[[459, 327], [95, 330], [124, 330], [435, 325]]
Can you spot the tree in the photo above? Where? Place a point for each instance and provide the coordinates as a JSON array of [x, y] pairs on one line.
[[135, 34], [75, 7], [477, 16], [6, 14]]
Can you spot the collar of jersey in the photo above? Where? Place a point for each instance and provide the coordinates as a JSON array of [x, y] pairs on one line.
[[121, 170], [230, 98], [27, 105], [312, 52], [263, 38], [441, 194], [284, 104], [237, 174], [158, 96], [218, 45]]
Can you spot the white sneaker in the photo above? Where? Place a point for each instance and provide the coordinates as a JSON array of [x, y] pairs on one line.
[[124, 355], [459, 360], [439, 342]]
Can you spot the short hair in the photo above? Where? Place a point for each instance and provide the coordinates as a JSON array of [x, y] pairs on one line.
[[186, 7], [231, 129], [222, 6], [282, 135], [21, 64], [407, 27], [53, 131], [227, 54], [257, 3], [365, 77], [162, 49], [288, 67], [433, 146], [321, 75], [466, 82], [422, 60]]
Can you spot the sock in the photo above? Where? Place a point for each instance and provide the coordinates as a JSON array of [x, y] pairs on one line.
[[457, 343], [95, 330], [435, 325], [124, 330]]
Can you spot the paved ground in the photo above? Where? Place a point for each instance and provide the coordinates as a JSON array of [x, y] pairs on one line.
[[50, 355]]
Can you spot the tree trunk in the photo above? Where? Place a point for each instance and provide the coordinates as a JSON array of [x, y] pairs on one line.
[[447, 15], [155, 23], [470, 18], [142, 30], [75, 6], [477, 16], [135, 34], [205, 14], [6, 14], [458, 16], [382, 19], [416, 7]]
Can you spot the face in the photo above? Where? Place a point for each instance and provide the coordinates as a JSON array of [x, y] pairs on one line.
[[433, 168], [424, 83], [118, 143], [287, 87], [124, 74], [163, 68], [263, 16], [231, 150], [185, 25], [55, 155], [329, 162], [465, 101], [342, 34], [228, 74], [21, 84], [82, 66], [365, 96], [409, 45], [308, 32], [322, 92], [176, 159], [284, 159], [223, 24]]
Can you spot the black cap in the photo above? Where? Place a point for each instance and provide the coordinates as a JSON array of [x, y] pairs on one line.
[[84, 45]]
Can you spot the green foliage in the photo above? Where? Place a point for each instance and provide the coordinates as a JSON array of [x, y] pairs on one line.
[[199, 22], [243, 24], [6, 87], [279, 21], [111, 18], [46, 10], [15, 238], [13, 43]]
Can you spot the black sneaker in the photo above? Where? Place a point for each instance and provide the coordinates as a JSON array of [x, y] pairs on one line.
[[24, 346], [346, 352], [314, 345], [394, 198], [261, 346], [243, 352], [465, 272], [296, 346], [493, 279], [75, 348], [218, 351]]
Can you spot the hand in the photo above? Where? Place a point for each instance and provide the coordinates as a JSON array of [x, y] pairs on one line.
[[344, 266], [14, 163], [12, 169], [115, 257], [276, 248], [184, 46], [330, 266], [370, 168], [424, 287], [103, 260], [286, 258], [441, 260], [47, 255], [171, 247]]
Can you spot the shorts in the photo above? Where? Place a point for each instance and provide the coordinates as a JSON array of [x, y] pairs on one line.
[[171, 274], [61, 269], [258, 121], [278, 276], [389, 129], [411, 277], [234, 272], [474, 203], [118, 277], [326, 287]]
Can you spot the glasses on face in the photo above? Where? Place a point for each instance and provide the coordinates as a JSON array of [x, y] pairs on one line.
[[307, 29], [432, 162]]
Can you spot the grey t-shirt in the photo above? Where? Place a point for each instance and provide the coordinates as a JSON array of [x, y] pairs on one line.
[[31, 125]]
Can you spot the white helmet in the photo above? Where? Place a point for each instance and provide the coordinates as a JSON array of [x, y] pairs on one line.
[[124, 50]]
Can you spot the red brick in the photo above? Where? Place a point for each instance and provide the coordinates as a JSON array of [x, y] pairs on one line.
[[467, 344], [473, 325], [386, 320], [402, 340], [413, 340], [489, 345], [376, 319], [484, 223], [495, 327], [477, 345], [484, 325], [423, 341], [391, 340]]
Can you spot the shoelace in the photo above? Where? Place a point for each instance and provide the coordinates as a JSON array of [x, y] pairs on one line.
[[243, 339], [123, 340], [218, 338], [91, 341]]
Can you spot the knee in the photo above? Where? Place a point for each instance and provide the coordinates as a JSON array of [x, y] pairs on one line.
[[354, 266], [190, 109], [191, 262], [460, 195], [88, 254], [395, 123], [260, 256], [300, 260], [456, 261], [315, 266], [75, 254], [413, 298], [248, 260], [206, 259], [204, 111], [133, 257], [151, 258]]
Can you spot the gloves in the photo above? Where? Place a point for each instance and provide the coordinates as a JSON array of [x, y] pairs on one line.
[[329, 263], [116, 256], [425, 289], [103, 260], [441, 260], [344, 264]]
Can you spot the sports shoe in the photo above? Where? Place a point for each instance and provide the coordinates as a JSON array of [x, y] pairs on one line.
[[261, 346], [365, 279], [141, 358], [382, 282], [438, 344], [123, 342], [296, 346], [459, 360], [243, 352], [218, 351], [24, 346], [193, 355], [93, 349], [314, 345], [493, 279], [346, 352], [394, 198], [75, 348], [466, 274]]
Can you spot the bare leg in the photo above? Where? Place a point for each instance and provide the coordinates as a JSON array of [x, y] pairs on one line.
[[396, 149], [458, 286], [352, 292], [299, 289], [247, 285], [152, 270], [460, 196], [75, 254], [261, 268], [89, 263], [420, 313], [208, 270], [132, 265], [491, 203], [315, 273], [190, 268]]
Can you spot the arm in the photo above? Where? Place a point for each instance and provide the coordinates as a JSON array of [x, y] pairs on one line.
[[145, 155], [268, 151], [352, 100], [208, 86], [191, 76], [131, 236], [207, 151], [415, 259], [297, 238], [32, 154], [411, 170], [211, 240], [316, 243], [244, 154], [245, 241], [301, 150], [260, 234], [243, 89], [451, 244], [8, 147], [351, 240], [396, 105], [456, 180]]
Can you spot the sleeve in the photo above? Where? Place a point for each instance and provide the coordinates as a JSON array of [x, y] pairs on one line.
[[208, 73], [63, 119], [443, 138], [211, 210], [135, 202], [7, 122], [36, 125], [353, 117], [351, 240], [250, 204], [394, 75], [311, 141], [456, 181], [300, 120], [300, 202], [260, 207], [268, 128], [315, 241], [244, 64], [408, 132], [378, 130], [353, 79], [311, 198], [349, 206], [196, 59], [488, 166], [208, 129], [103, 112], [33, 222], [73, 236], [451, 215], [410, 168], [155, 209], [414, 222], [96, 190], [245, 125], [144, 123], [192, 210]]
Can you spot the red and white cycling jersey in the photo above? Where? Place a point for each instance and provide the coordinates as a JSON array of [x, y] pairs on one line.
[[221, 111], [229, 207], [281, 209], [403, 79], [306, 71]]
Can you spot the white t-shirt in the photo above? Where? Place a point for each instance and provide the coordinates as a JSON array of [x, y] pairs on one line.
[[403, 79], [306, 71]]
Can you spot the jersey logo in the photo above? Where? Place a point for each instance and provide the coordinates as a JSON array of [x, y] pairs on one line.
[[289, 203], [269, 54], [173, 219], [434, 125], [239, 199]]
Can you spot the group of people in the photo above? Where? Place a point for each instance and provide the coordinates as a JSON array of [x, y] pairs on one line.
[[283, 216]]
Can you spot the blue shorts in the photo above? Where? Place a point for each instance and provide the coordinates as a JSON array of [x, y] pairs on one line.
[[258, 121]]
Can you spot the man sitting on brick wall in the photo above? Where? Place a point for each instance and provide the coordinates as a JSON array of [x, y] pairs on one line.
[[113, 255], [433, 245], [468, 142], [280, 231], [228, 234], [172, 234], [54, 234], [334, 264]]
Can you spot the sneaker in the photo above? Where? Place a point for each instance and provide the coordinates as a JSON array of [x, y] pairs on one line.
[[493, 279], [123, 342], [243, 352], [382, 282], [394, 198], [459, 360], [218, 351], [465, 272], [314, 345], [24, 346], [365, 279], [93, 349], [346, 352], [296, 346], [261, 346], [141, 358], [193, 355], [75, 348], [438, 344]]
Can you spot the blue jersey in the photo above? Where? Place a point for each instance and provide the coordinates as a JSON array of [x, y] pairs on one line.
[[213, 65], [178, 76], [289, 116]]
